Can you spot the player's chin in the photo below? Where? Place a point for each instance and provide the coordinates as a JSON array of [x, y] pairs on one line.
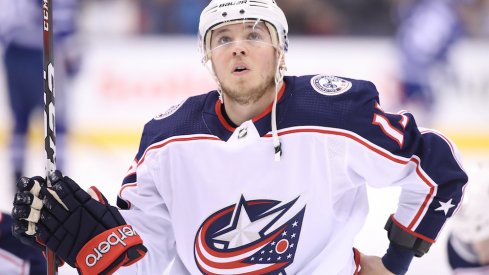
[[239, 81]]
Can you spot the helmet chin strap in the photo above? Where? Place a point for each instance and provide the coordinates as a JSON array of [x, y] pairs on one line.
[[214, 76], [279, 75]]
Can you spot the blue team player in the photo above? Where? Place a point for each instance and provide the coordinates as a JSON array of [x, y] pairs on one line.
[[22, 40], [427, 32], [17, 258]]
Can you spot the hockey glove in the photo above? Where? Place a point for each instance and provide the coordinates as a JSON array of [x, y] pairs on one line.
[[26, 213], [88, 234]]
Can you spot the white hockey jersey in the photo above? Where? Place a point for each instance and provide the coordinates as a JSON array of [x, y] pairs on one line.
[[13, 265], [211, 196]]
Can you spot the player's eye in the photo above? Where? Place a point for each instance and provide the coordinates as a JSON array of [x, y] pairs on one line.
[[255, 36], [223, 40]]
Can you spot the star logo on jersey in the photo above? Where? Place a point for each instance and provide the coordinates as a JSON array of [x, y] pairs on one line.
[[445, 206], [330, 85], [249, 237]]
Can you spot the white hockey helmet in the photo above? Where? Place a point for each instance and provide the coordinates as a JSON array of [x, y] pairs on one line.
[[225, 11]]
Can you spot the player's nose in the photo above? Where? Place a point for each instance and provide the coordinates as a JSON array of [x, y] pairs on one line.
[[238, 48]]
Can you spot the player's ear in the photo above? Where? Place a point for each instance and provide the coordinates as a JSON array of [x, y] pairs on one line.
[[282, 60], [283, 66]]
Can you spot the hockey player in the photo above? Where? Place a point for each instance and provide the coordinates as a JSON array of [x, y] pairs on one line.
[[17, 258], [21, 37], [428, 31], [265, 175]]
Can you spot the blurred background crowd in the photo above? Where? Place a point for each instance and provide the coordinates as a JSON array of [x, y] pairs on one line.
[[313, 17]]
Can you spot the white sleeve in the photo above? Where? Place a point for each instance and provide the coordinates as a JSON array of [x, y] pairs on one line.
[[11, 264], [149, 216]]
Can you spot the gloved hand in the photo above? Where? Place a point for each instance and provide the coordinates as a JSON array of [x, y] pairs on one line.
[[88, 234]]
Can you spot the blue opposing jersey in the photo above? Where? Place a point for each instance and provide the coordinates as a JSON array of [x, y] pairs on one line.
[[17, 258], [22, 21], [211, 197], [427, 32]]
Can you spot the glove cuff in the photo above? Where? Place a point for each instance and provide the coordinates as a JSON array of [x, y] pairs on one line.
[[103, 250]]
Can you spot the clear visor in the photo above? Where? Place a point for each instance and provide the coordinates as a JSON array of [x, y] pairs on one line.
[[247, 33]]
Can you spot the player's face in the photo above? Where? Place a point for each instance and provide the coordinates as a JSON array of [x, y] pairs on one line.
[[244, 60]]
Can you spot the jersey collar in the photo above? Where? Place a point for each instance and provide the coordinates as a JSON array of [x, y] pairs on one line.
[[230, 128]]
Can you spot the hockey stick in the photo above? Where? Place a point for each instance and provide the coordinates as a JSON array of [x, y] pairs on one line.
[[49, 114]]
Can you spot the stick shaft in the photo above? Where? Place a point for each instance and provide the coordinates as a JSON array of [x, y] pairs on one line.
[[49, 110]]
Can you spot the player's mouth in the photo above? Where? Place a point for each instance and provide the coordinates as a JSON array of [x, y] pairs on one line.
[[240, 69]]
